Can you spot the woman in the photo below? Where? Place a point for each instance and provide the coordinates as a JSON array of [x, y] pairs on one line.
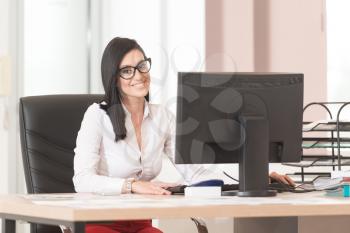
[[121, 140]]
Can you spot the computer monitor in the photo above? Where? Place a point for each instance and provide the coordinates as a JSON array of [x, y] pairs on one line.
[[246, 118]]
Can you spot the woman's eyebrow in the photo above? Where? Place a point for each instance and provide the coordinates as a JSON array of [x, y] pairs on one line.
[[123, 66]]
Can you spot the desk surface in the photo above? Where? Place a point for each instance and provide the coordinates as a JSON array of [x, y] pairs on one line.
[[93, 207]]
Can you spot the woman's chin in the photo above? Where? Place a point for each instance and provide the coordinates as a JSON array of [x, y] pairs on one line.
[[139, 94]]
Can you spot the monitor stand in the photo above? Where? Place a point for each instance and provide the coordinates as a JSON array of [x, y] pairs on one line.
[[254, 159]]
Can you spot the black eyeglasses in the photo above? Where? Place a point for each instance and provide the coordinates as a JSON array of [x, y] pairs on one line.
[[128, 72]]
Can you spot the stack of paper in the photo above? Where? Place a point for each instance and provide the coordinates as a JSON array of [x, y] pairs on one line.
[[203, 191], [332, 182], [323, 183]]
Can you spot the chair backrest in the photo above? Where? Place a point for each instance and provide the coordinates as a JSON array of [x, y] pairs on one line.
[[48, 128]]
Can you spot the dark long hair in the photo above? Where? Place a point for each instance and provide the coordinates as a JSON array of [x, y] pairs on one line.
[[111, 59]]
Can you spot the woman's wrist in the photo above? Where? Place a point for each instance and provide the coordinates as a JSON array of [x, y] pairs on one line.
[[127, 187]]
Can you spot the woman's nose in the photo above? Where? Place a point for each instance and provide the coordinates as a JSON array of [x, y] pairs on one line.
[[139, 76]]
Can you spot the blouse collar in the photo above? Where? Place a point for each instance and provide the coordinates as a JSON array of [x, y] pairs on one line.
[[146, 110]]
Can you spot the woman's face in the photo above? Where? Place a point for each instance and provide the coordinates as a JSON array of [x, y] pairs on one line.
[[137, 85]]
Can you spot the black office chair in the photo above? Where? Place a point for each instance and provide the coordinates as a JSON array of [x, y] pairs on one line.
[[48, 128]]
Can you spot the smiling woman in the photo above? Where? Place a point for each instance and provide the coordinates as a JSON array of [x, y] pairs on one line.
[[119, 149]]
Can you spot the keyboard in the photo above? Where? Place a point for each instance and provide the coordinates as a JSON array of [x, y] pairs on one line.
[[279, 187]]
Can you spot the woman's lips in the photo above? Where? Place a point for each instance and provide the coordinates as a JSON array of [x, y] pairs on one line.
[[138, 84]]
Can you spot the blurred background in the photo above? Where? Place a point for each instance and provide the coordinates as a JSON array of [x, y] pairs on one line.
[[55, 47]]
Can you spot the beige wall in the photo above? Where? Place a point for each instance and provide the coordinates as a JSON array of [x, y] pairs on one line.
[[229, 35], [298, 43], [4, 35], [270, 35]]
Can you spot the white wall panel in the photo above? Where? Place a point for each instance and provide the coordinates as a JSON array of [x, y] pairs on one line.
[[55, 47]]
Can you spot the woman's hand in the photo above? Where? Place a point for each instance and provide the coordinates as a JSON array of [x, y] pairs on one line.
[[274, 176], [146, 187], [164, 185]]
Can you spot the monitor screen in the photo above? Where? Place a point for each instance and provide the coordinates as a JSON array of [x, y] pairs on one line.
[[243, 118]]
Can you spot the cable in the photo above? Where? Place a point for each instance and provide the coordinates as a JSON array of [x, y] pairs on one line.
[[282, 187], [230, 176]]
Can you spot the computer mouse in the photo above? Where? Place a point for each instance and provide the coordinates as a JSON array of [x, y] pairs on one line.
[[211, 182], [281, 187]]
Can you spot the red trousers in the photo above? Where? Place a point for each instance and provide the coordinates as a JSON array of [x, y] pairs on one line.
[[135, 226]]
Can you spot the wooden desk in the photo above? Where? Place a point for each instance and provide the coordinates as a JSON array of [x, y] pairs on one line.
[[75, 210]]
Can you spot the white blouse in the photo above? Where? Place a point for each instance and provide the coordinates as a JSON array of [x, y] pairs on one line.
[[102, 165]]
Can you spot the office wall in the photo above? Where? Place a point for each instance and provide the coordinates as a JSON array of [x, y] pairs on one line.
[[230, 35], [271, 35], [9, 50], [4, 32], [4, 21], [338, 53], [56, 52], [297, 43]]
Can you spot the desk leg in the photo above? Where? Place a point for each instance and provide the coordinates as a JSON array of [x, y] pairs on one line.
[[78, 227], [266, 225], [8, 226]]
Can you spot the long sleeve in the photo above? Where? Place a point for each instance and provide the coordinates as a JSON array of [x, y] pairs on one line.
[[190, 172], [87, 157]]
